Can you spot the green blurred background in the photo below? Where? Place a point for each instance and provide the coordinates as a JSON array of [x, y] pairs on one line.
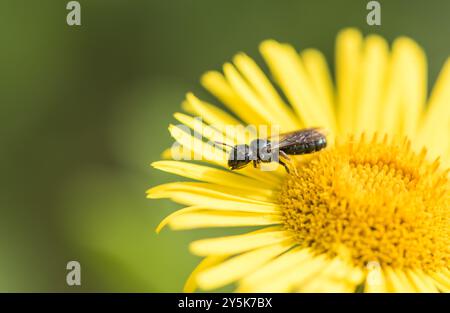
[[85, 109]]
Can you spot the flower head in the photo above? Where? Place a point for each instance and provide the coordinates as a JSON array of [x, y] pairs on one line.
[[371, 211]]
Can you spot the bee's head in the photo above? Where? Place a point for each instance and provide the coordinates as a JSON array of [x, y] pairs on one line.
[[239, 157]]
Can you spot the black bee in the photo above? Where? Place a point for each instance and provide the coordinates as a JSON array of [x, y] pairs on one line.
[[302, 141]]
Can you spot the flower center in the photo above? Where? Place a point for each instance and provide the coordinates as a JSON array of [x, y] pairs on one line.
[[378, 199]]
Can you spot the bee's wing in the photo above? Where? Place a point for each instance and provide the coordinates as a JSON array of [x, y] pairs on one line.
[[295, 137]]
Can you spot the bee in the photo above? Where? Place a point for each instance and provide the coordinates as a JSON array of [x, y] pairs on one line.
[[298, 142]]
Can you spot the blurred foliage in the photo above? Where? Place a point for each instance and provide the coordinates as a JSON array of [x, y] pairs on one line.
[[84, 110]]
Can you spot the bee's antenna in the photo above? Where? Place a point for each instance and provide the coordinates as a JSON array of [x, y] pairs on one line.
[[223, 144]]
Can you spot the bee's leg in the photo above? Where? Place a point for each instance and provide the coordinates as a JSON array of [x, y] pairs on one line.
[[255, 165], [285, 166], [285, 155], [289, 159]]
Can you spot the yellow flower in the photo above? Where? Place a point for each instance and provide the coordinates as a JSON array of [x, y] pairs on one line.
[[370, 212]]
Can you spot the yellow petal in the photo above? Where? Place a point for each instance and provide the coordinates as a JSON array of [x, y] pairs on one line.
[[205, 130], [258, 196], [274, 268], [213, 175], [413, 84], [406, 89], [441, 281], [375, 281], [336, 276], [372, 82], [239, 266], [410, 285], [260, 215], [218, 119], [420, 283], [216, 84], [209, 112], [201, 149], [167, 154], [288, 70], [238, 243], [324, 285], [348, 62], [209, 261], [390, 104], [436, 122], [267, 97], [209, 218], [331, 278], [296, 276], [191, 199], [396, 282], [318, 71]]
